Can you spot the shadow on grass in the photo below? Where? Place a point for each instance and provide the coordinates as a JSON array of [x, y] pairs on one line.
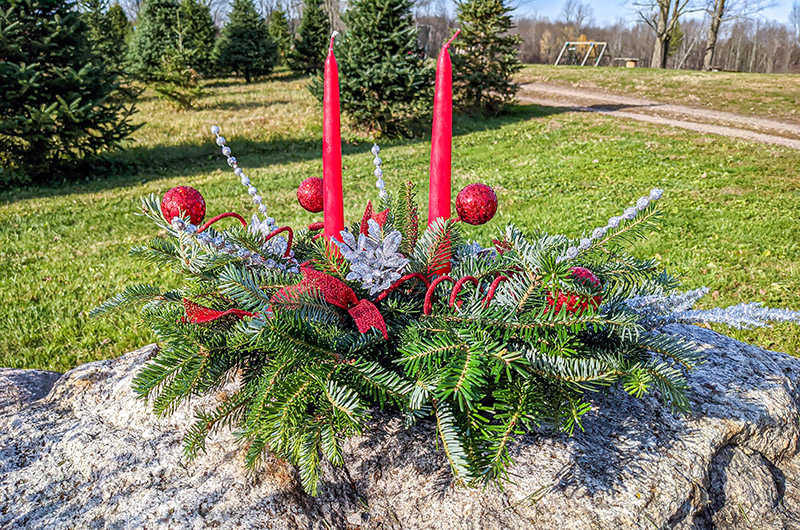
[[138, 164], [244, 105]]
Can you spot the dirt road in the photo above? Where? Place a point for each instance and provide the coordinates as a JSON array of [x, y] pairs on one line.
[[695, 119]]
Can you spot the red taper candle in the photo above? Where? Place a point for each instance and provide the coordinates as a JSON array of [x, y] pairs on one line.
[[332, 197], [441, 138]]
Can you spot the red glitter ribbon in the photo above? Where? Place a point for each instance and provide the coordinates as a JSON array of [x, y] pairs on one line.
[[197, 314], [337, 293]]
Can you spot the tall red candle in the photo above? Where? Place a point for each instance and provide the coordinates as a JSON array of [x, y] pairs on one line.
[[441, 138], [332, 197]]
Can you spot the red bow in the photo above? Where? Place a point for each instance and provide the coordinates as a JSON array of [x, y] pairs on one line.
[[336, 292]]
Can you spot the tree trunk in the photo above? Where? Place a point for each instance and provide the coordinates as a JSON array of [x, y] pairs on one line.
[[713, 31], [661, 47]]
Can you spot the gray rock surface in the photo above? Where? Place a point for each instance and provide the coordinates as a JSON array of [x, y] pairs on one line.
[[20, 387], [89, 455]]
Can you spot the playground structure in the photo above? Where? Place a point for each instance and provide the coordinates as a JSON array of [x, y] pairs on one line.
[[579, 52]]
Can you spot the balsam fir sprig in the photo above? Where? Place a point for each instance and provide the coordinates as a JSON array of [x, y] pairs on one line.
[[476, 344]]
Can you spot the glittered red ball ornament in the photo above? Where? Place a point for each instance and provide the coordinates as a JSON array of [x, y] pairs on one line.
[[183, 200], [476, 204], [309, 194], [576, 303]]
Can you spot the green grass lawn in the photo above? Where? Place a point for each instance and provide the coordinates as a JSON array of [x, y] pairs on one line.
[[731, 207], [769, 95]]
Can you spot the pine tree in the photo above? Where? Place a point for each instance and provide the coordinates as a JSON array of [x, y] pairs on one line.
[[108, 33], [279, 31], [198, 35], [157, 37], [245, 46], [311, 45], [59, 100], [385, 80], [485, 57]]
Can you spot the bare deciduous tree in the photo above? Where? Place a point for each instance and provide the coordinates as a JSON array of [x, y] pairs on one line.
[[723, 10], [794, 19], [577, 14], [662, 16]]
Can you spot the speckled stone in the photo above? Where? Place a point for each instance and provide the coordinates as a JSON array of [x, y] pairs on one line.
[[18, 388], [90, 456]]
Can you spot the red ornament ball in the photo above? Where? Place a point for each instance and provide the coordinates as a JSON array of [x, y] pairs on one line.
[[309, 194], [476, 204], [576, 303], [183, 200]]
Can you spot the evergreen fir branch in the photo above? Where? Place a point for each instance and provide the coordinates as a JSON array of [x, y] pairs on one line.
[[672, 385], [452, 444], [250, 289], [158, 251], [582, 373], [326, 258], [226, 414], [307, 458], [425, 352], [512, 407], [571, 415], [434, 249], [281, 415], [381, 384], [329, 442], [406, 216], [463, 379], [345, 404], [309, 305], [287, 332], [681, 351], [133, 295]]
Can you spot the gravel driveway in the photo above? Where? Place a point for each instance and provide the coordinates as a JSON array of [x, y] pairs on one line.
[[704, 121]]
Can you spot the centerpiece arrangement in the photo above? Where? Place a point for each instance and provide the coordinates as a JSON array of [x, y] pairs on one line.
[[320, 325]]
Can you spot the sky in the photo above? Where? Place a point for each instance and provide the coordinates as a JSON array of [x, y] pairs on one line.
[[607, 11]]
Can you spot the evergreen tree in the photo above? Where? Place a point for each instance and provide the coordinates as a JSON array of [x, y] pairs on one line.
[[156, 38], [311, 45], [59, 100], [107, 32], [279, 31], [158, 56], [385, 81], [120, 24], [485, 56], [245, 46], [198, 35]]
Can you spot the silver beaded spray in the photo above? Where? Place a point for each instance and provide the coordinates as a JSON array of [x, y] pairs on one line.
[[276, 245], [600, 232], [379, 183], [252, 190]]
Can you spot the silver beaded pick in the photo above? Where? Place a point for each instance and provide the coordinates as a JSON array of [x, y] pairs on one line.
[[598, 233], [380, 184], [252, 190]]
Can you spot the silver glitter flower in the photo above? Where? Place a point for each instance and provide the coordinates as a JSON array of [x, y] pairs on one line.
[[374, 260]]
